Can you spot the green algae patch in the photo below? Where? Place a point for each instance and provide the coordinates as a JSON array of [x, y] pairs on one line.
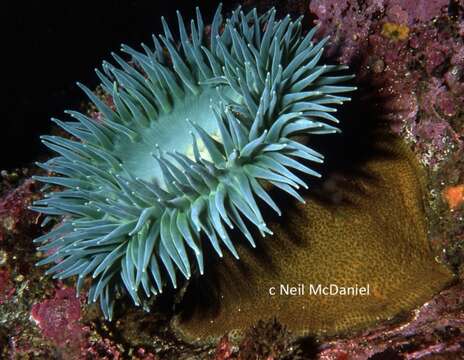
[[369, 243]]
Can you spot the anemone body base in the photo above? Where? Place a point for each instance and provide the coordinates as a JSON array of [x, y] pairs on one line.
[[376, 236]]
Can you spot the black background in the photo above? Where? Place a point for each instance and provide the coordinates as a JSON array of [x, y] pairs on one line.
[[49, 45]]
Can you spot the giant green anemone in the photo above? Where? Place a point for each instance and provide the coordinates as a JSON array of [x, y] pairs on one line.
[[192, 134]]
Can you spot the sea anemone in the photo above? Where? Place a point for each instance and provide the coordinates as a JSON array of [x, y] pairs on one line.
[[193, 134]]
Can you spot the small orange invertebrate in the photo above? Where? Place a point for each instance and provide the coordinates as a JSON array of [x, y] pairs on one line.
[[454, 196], [394, 31]]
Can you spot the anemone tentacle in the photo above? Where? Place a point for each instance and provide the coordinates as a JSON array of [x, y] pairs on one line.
[[193, 130]]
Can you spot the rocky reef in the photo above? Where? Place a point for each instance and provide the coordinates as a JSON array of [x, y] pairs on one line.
[[409, 60]]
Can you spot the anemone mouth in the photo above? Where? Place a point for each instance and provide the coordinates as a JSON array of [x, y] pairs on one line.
[[190, 132], [171, 133]]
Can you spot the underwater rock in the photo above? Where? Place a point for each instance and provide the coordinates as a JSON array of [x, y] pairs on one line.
[[223, 349], [412, 54], [14, 217], [371, 233], [267, 340], [6, 286], [437, 329], [58, 319]]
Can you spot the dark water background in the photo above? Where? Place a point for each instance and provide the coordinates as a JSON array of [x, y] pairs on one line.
[[49, 45]]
